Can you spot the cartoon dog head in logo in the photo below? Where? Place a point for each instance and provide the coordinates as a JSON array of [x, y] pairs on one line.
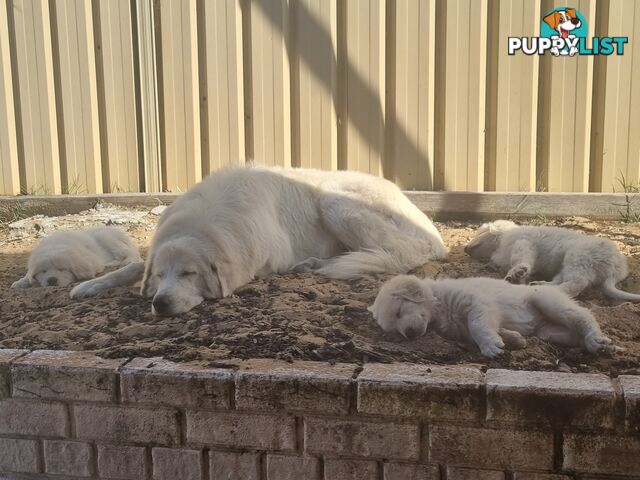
[[563, 21]]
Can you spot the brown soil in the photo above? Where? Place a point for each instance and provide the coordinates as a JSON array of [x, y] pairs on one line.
[[294, 316]]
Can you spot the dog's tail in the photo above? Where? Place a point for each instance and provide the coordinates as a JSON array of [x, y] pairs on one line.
[[610, 290], [371, 261]]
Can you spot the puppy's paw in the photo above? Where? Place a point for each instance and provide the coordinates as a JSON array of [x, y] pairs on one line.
[[87, 289], [518, 274], [599, 343], [492, 349], [309, 265], [22, 283]]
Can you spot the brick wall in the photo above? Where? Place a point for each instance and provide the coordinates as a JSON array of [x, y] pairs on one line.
[[71, 415]]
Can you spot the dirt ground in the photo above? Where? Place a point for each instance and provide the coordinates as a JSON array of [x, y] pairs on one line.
[[299, 316]]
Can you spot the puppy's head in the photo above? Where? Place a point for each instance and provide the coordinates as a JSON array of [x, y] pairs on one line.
[[404, 305], [179, 275], [59, 267], [487, 239], [563, 21]]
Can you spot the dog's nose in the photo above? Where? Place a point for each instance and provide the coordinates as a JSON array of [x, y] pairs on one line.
[[412, 332], [161, 304], [52, 281], [575, 21]]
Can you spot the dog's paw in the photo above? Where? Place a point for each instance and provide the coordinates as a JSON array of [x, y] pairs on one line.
[[87, 289], [22, 283], [492, 349], [599, 343], [518, 274], [539, 282], [309, 265]]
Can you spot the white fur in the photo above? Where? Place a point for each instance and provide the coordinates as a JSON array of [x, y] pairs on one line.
[[487, 312], [252, 221], [68, 256], [552, 255]]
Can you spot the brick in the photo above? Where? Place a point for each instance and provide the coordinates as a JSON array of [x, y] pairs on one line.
[[601, 454], [123, 463], [406, 390], [64, 375], [67, 458], [539, 476], [234, 466], [363, 439], [299, 386], [26, 417], [484, 448], [6, 357], [631, 390], [455, 473], [335, 469], [406, 471], [264, 432], [126, 424], [18, 455], [162, 382], [552, 399], [171, 464], [280, 467]]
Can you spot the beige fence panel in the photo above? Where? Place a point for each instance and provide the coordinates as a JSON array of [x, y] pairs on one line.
[[512, 95], [78, 98], [564, 121], [461, 113], [116, 97], [221, 77], [36, 95], [314, 84], [9, 169], [179, 94], [621, 142], [270, 82], [410, 118], [363, 74]]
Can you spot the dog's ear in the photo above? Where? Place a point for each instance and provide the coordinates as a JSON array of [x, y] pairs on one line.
[[411, 293], [148, 269], [229, 277], [212, 280], [571, 12], [553, 19]]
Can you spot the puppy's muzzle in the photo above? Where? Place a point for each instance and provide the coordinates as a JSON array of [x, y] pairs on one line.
[[161, 305], [412, 332], [52, 281]]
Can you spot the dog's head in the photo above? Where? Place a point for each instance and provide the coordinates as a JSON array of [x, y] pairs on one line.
[[487, 239], [404, 305], [60, 266], [181, 273], [563, 21]]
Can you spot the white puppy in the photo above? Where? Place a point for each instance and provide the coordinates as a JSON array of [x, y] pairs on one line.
[[487, 312], [252, 221], [68, 256], [552, 255]]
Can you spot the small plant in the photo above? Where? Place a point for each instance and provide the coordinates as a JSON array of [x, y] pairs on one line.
[[629, 214], [39, 189], [75, 186], [11, 213]]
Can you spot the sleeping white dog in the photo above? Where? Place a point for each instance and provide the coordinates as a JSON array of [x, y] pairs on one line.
[[552, 256], [488, 312], [245, 222], [68, 256]]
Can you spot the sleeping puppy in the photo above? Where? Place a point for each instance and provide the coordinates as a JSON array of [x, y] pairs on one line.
[[488, 312], [70, 256], [552, 256]]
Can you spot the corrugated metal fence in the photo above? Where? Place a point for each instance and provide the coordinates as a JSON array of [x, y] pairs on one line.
[[126, 95]]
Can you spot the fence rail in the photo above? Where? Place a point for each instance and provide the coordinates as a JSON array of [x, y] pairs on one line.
[[147, 95]]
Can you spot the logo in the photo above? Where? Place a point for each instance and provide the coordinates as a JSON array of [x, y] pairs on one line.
[[563, 32]]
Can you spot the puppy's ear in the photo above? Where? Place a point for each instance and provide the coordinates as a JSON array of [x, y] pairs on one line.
[[212, 281], [148, 269], [411, 293], [571, 12], [83, 266], [228, 278], [553, 19]]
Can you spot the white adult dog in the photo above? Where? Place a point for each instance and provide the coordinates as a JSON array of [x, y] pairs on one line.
[[553, 256], [69, 256], [487, 312], [248, 222]]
